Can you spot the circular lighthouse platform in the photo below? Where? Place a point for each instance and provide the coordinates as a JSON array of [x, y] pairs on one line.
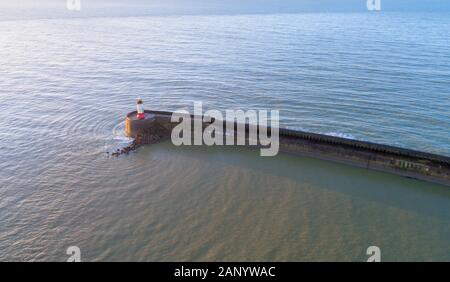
[[134, 125]]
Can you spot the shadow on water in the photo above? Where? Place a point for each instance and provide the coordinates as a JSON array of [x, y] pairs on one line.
[[390, 190]]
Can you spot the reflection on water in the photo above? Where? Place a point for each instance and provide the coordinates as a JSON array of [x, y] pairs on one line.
[[202, 203]]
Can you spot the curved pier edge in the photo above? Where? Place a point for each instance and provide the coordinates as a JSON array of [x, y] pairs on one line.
[[405, 162]]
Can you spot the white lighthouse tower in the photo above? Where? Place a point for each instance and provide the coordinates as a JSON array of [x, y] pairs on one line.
[[140, 109]]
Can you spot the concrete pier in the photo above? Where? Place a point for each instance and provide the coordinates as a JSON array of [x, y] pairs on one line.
[[409, 163]]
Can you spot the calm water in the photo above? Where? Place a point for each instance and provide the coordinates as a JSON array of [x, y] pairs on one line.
[[66, 84]]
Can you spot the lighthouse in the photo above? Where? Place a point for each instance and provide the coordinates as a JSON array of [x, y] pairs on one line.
[[140, 109]]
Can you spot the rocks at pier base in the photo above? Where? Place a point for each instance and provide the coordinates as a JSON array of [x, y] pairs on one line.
[[152, 135]]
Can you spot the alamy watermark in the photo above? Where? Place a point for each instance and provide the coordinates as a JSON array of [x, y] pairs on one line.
[[241, 128], [374, 254], [73, 5], [74, 254], [374, 5]]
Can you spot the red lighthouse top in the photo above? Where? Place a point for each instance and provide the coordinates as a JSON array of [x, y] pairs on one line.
[[140, 109]]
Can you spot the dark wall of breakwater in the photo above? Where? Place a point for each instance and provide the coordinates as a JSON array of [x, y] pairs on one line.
[[410, 163]]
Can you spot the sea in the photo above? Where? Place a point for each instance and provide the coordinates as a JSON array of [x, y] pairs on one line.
[[68, 80]]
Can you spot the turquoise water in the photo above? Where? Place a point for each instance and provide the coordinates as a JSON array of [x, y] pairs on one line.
[[67, 83]]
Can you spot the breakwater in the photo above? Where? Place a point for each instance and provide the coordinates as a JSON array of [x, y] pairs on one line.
[[157, 127]]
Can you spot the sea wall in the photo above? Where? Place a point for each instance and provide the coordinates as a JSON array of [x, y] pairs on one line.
[[409, 163]]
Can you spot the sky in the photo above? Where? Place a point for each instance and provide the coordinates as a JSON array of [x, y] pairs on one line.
[[163, 7]]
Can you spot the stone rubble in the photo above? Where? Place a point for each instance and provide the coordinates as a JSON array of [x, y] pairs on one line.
[[143, 138]]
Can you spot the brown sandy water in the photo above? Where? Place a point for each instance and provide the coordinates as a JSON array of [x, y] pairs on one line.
[[204, 203]]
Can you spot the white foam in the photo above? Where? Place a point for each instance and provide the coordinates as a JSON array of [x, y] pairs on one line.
[[341, 135]]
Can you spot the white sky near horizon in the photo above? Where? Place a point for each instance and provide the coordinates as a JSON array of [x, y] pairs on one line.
[[246, 5]]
